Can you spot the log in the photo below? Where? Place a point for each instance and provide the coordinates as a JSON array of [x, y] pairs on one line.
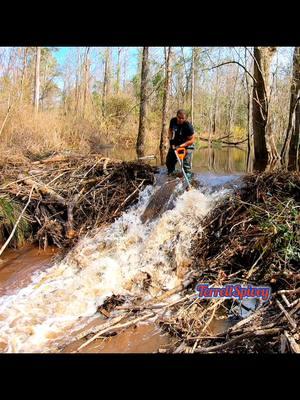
[[70, 232], [177, 289], [287, 315], [43, 189]]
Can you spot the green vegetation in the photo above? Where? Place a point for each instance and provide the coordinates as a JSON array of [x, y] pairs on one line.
[[9, 213], [281, 223]]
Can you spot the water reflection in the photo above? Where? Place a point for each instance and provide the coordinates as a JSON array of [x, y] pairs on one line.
[[205, 159]]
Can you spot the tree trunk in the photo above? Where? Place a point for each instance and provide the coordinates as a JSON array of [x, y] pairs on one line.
[[125, 62], [249, 130], [231, 106], [192, 84], [140, 144], [25, 52], [118, 70], [264, 144], [290, 143], [164, 132], [37, 79], [106, 81], [215, 106], [187, 80], [86, 80], [77, 82], [295, 142]]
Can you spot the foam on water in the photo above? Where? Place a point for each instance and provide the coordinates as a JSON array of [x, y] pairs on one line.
[[112, 261]]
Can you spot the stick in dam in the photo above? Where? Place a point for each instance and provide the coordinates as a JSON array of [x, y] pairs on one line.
[[17, 223]]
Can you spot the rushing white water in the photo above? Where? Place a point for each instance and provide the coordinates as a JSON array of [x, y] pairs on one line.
[[113, 261]]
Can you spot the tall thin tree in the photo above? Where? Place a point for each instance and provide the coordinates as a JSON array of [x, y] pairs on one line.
[[86, 67], [264, 143], [166, 100], [23, 75], [118, 80], [192, 84], [140, 144], [37, 79], [106, 80], [290, 146]]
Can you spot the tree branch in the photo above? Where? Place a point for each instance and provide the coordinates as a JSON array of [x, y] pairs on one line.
[[231, 62]]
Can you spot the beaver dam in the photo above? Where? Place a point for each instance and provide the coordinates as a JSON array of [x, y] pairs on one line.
[[134, 247]]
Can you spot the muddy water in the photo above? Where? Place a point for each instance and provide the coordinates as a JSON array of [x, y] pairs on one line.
[[141, 338], [16, 270], [18, 266]]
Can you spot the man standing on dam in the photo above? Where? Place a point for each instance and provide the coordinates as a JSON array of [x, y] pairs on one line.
[[181, 134]]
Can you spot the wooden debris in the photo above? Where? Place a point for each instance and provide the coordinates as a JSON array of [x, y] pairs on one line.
[[74, 194], [251, 237]]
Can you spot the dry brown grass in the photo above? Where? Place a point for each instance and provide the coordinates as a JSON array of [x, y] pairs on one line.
[[55, 131]]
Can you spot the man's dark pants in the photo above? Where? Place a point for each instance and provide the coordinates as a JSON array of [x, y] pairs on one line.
[[171, 161]]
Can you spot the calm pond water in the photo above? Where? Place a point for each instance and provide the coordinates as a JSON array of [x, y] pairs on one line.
[[218, 160]]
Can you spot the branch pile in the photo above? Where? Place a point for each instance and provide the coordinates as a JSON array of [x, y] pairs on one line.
[[252, 237], [72, 194]]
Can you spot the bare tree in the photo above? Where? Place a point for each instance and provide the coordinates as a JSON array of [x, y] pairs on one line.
[[118, 70], [215, 105], [140, 144], [166, 99], [37, 79], [77, 82], [291, 142], [192, 84], [24, 67], [264, 143], [106, 80], [86, 68], [249, 121], [125, 64], [231, 104], [295, 142]]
